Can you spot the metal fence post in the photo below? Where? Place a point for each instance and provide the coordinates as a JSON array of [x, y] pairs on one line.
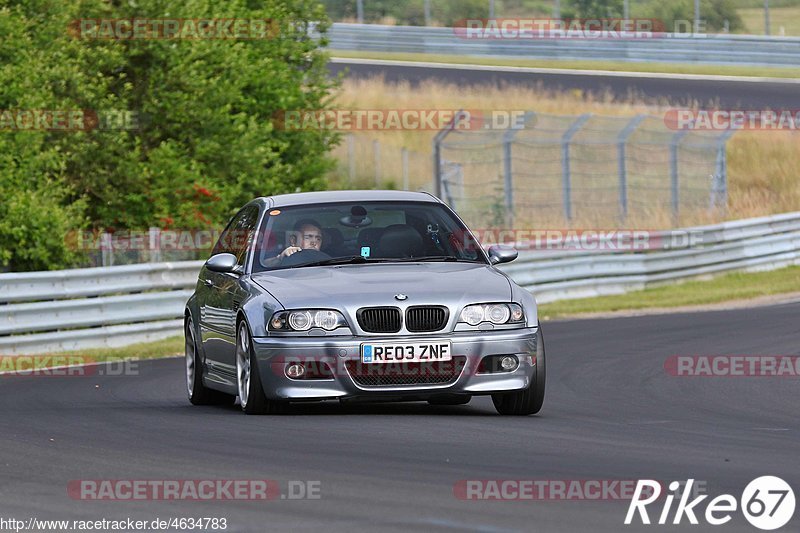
[[719, 189], [622, 139], [106, 249], [507, 179], [508, 176], [155, 244], [437, 166], [437, 152], [376, 149], [351, 158], [404, 164], [673, 170], [565, 170]]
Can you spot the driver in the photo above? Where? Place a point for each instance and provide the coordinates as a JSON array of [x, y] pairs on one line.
[[310, 237], [307, 235]]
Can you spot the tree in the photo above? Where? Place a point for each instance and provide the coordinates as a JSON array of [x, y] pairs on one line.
[[202, 139], [594, 9]]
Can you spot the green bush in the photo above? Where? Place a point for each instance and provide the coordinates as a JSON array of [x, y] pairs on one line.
[[411, 12], [205, 141], [713, 12], [446, 12]]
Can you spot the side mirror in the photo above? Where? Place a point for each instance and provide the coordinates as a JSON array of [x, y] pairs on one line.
[[224, 263], [500, 253]]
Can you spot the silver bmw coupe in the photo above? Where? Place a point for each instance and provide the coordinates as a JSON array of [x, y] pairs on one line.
[[359, 296]]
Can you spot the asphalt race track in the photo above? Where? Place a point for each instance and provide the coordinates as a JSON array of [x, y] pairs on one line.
[[723, 91], [611, 413]]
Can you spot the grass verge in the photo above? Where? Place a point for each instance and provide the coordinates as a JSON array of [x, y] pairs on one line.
[[725, 288], [615, 66], [148, 350], [781, 18]]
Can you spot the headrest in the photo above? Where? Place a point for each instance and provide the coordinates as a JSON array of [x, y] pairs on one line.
[[332, 237], [400, 240]]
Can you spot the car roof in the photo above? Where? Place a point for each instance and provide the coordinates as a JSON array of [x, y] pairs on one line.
[[304, 198]]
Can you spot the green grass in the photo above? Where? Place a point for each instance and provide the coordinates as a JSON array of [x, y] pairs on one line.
[[616, 66], [734, 286], [147, 350], [786, 17]]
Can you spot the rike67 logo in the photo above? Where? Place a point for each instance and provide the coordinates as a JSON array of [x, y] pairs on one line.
[[767, 503]]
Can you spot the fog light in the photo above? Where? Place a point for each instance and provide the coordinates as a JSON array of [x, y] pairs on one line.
[[508, 362], [295, 370]]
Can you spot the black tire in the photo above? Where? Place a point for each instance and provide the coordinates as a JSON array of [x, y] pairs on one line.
[[527, 401], [450, 400], [197, 391], [254, 402]]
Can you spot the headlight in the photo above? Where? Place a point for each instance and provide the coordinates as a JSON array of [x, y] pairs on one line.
[[305, 319], [494, 313], [498, 313], [300, 320], [472, 315]]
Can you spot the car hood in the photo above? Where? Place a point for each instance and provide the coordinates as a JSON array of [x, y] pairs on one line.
[[451, 284]]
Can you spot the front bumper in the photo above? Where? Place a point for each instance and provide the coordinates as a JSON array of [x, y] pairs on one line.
[[274, 353]]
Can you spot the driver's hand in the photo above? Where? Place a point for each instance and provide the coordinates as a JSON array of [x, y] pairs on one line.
[[289, 251]]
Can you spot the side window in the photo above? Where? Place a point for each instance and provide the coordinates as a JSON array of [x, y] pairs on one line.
[[239, 234]]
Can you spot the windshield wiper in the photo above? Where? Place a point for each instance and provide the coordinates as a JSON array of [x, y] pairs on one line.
[[433, 258], [350, 260]]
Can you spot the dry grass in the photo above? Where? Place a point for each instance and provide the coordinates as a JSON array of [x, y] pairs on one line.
[[762, 166], [783, 20]]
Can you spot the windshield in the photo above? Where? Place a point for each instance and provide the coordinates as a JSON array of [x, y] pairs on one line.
[[362, 233]]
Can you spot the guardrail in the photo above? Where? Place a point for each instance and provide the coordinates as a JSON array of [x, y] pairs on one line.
[[674, 48], [42, 312]]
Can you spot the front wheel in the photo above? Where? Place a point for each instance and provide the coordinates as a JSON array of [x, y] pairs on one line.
[[251, 393], [529, 400]]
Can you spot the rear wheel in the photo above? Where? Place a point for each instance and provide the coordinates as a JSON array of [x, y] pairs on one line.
[[198, 393], [251, 393], [527, 401]]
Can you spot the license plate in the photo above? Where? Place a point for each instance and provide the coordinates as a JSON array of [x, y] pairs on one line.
[[406, 352]]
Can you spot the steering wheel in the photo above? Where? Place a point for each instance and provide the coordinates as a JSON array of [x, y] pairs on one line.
[[304, 256]]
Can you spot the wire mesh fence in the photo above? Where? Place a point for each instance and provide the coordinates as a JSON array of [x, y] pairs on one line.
[[367, 163], [554, 167], [548, 169]]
